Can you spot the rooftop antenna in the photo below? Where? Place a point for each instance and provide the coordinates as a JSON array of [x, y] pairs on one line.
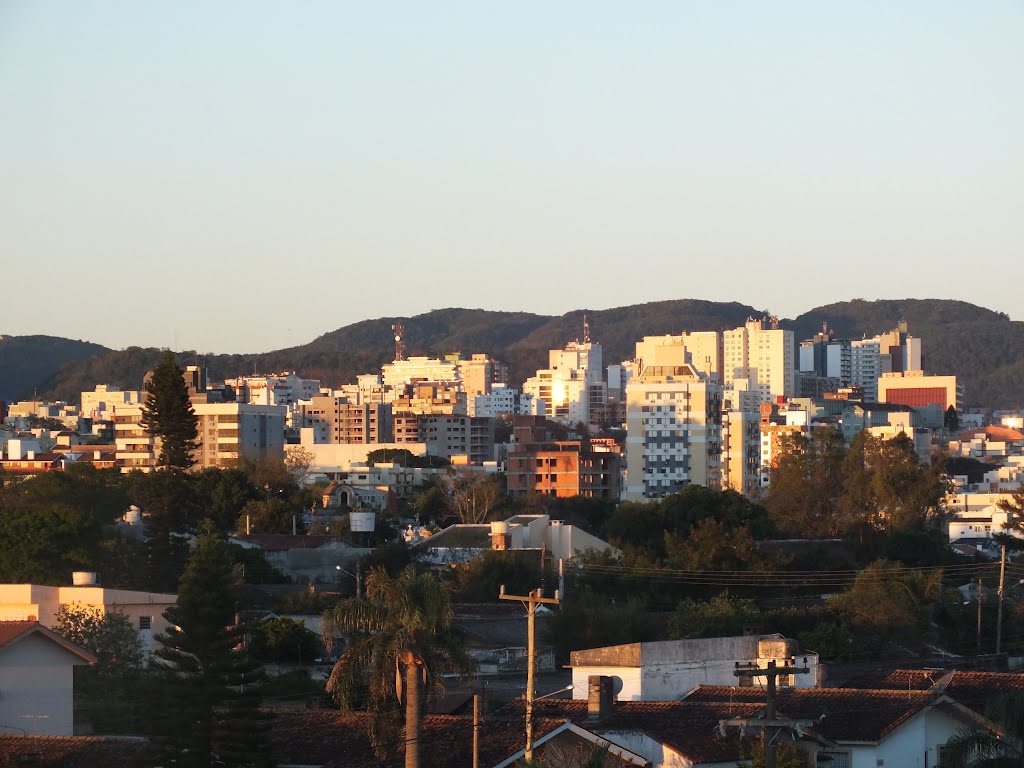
[[586, 329], [399, 330]]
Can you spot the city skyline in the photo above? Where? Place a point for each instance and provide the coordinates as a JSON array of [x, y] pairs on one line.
[[243, 178]]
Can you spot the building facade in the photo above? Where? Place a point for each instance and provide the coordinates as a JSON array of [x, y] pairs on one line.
[[674, 432]]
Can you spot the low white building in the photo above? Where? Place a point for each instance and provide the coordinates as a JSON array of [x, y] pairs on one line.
[[36, 679], [668, 669], [41, 602], [554, 539]]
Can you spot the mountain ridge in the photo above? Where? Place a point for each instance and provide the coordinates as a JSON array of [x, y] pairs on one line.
[[983, 347]]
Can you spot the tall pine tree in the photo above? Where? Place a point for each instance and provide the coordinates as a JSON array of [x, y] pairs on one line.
[[207, 686], [168, 415]]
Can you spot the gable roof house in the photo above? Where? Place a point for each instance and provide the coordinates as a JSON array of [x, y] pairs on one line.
[[840, 728], [36, 683]]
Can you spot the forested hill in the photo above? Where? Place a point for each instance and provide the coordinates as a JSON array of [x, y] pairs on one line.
[[983, 347], [28, 362]]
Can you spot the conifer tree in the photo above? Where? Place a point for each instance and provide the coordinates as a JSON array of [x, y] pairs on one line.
[[167, 414], [207, 690]]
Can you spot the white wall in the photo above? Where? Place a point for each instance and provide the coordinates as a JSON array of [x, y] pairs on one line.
[[36, 679], [906, 747]]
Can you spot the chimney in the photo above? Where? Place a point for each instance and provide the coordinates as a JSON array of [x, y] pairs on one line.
[[600, 697], [500, 539]]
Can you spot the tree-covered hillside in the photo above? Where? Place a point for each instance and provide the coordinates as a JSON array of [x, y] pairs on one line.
[[984, 348], [27, 362]]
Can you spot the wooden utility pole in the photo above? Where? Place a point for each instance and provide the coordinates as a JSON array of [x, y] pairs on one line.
[[476, 730], [981, 596], [770, 724], [531, 601], [999, 614]]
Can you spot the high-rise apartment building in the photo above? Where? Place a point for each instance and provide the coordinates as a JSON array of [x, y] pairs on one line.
[[573, 379], [565, 468], [758, 358], [230, 432], [335, 420], [674, 431], [741, 451], [703, 350]]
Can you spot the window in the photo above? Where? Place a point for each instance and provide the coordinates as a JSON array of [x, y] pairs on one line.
[[145, 622]]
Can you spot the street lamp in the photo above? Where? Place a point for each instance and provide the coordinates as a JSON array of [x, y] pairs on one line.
[[554, 693]]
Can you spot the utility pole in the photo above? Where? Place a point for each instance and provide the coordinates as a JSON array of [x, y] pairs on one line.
[[476, 730], [771, 725], [531, 601], [981, 596], [999, 614], [359, 582]]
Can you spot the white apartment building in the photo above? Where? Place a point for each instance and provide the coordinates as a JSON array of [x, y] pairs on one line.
[[702, 349], [273, 389], [674, 432], [369, 388], [103, 402], [229, 432], [866, 367], [573, 379], [741, 451], [136, 449], [501, 400], [415, 369], [759, 360]]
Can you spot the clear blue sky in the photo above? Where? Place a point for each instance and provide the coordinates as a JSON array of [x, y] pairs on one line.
[[242, 176]]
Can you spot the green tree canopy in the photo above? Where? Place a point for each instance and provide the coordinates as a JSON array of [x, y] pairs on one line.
[[209, 687], [168, 415], [401, 635]]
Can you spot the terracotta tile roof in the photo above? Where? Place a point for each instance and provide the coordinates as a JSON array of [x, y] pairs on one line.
[[325, 737], [11, 630], [993, 432], [972, 689], [73, 751], [840, 714], [691, 729]]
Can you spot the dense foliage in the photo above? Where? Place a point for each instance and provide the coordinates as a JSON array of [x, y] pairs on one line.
[[167, 415], [401, 636], [207, 708]]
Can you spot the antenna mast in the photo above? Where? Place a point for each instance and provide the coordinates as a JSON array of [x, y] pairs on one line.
[[399, 330], [586, 329]]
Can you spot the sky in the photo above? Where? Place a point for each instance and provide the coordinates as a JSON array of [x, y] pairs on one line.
[[242, 176]]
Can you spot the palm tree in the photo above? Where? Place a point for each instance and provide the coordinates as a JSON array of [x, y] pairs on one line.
[[401, 635], [985, 748]]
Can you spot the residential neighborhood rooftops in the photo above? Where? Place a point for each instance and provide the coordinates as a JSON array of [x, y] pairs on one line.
[[318, 737], [972, 689], [839, 714], [71, 751]]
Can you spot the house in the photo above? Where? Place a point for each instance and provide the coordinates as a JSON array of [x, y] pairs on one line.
[[858, 728], [303, 557], [841, 728], [321, 738], [540, 534], [666, 670], [970, 688], [495, 637], [41, 602], [36, 682]]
